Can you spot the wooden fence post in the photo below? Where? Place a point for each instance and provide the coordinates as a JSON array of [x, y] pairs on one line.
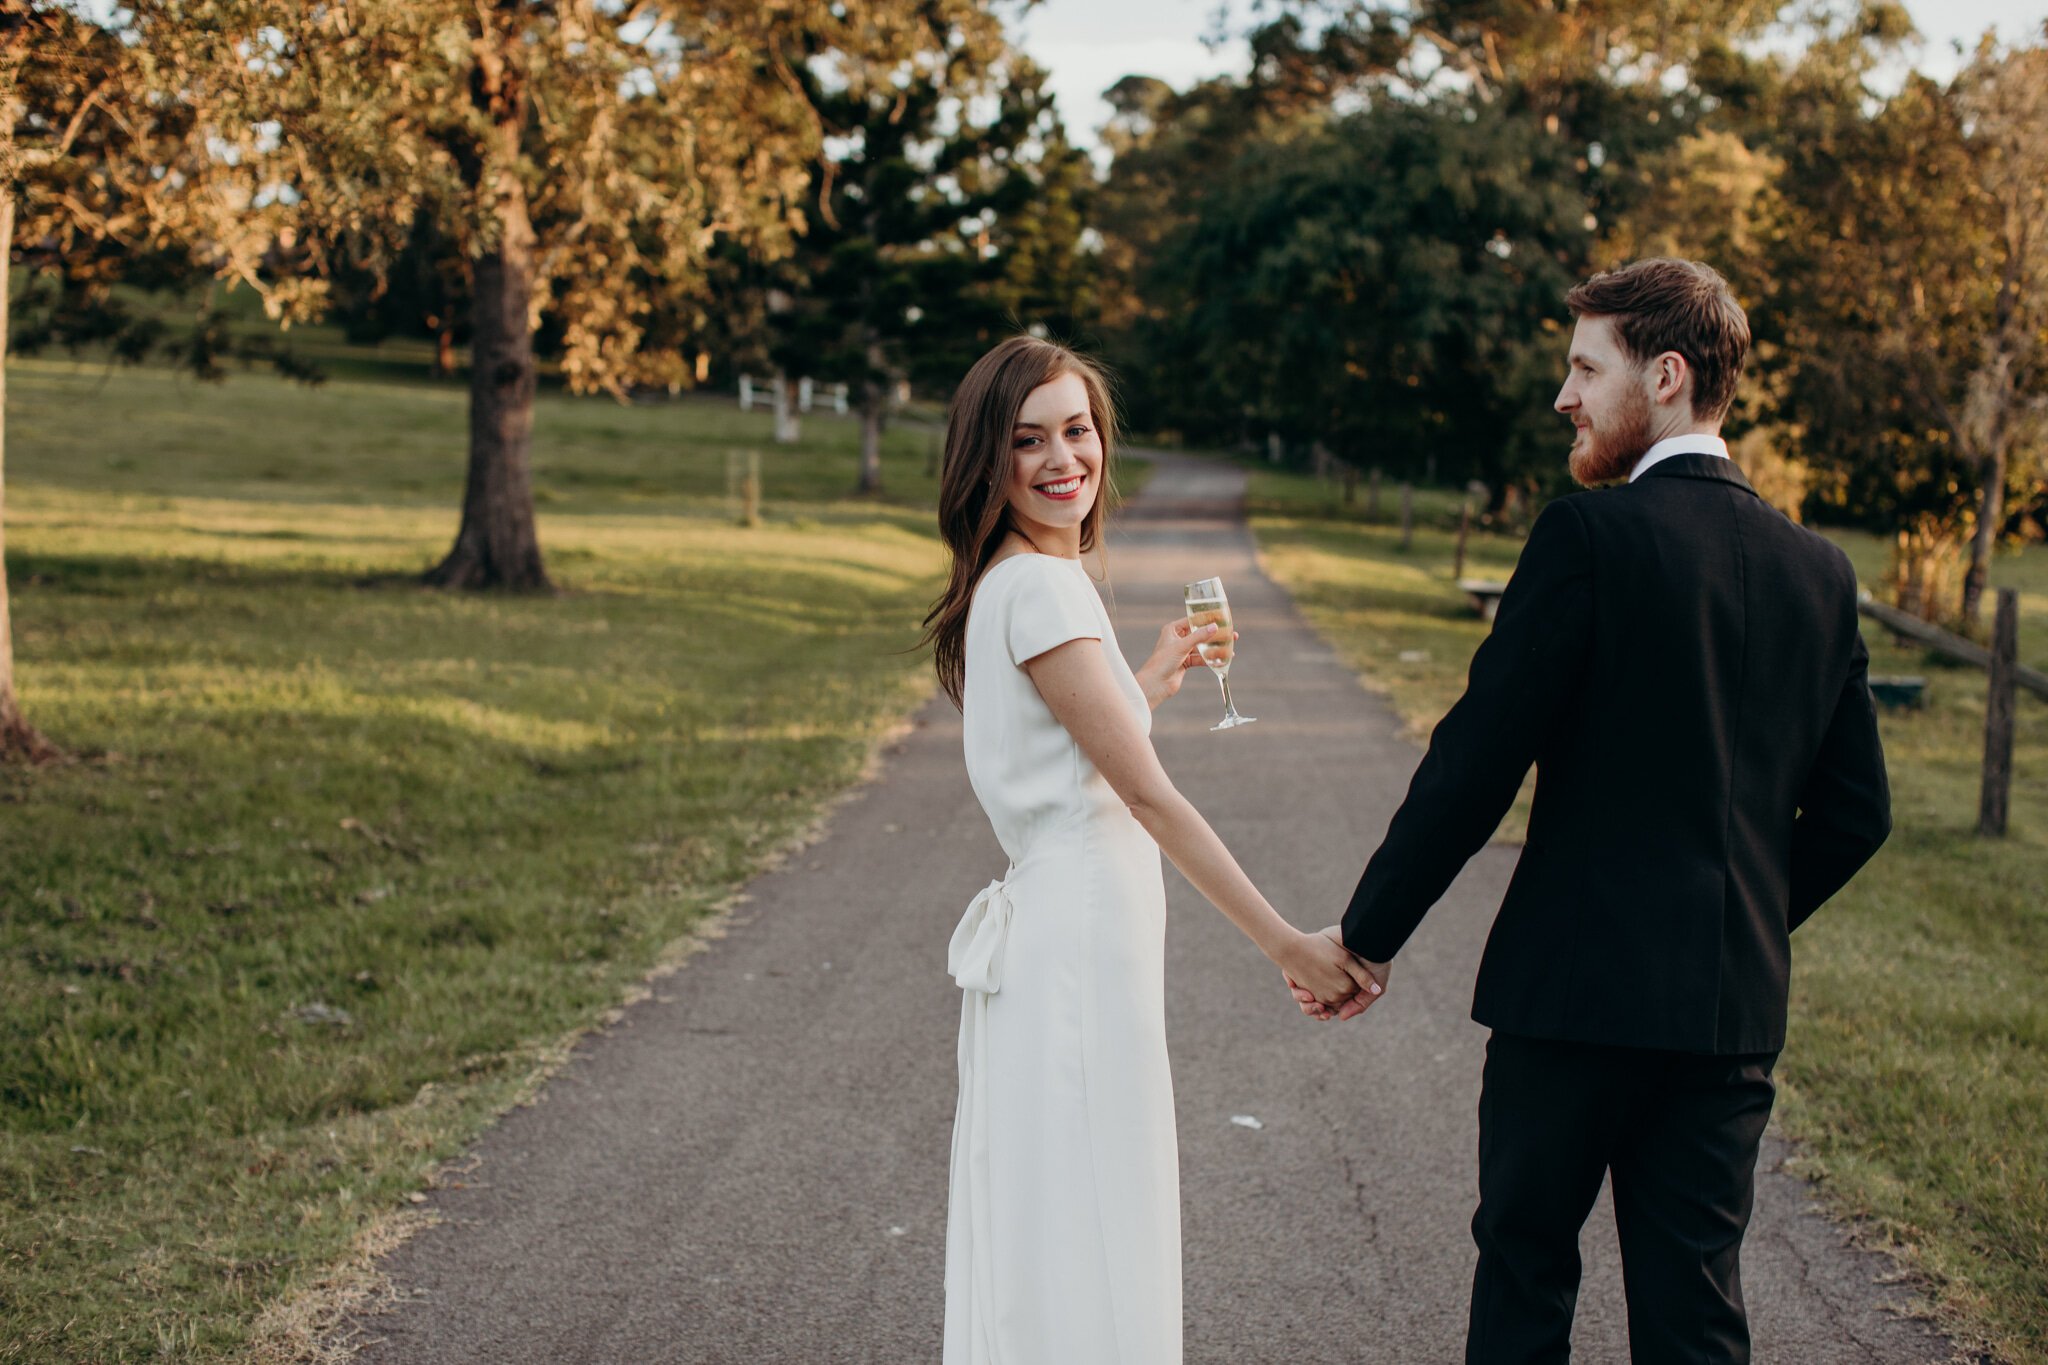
[[1407, 517], [1996, 801], [1350, 484], [788, 426], [750, 491], [1372, 496]]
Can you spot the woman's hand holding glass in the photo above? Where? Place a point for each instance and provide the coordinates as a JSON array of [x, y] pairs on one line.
[[1161, 675], [1206, 602]]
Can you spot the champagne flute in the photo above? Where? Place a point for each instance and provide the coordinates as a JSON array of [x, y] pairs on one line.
[[1206, 604]]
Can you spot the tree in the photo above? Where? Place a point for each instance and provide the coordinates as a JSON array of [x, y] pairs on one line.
[[1586, 70], [1911, 300], [34, 48], [97, 187], [1396, 280], [1620, 80], [2004, 98], [1614, 85], [19, 740], [1047, 275], [422, 291], [1170, 151], [938, 226], [587, 160]]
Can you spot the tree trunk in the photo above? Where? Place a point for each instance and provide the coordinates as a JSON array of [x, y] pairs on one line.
[[874, 410], [874, 414], [497, 546], [1988, 410], [19, 741], [1990, 516]]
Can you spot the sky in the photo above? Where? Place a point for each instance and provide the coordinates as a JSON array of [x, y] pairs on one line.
[[1088, 45]]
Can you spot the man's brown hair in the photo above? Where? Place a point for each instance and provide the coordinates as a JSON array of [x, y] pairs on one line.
[[1661, 305]]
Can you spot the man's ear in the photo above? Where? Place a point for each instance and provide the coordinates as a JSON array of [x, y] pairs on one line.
[[1671, 378]]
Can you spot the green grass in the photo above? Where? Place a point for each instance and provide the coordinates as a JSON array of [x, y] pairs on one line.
[[1917, 1066], [340, 862], [138, 432], [1396, 615]]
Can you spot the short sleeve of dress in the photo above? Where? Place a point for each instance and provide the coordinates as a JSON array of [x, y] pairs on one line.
[[1049, 604]]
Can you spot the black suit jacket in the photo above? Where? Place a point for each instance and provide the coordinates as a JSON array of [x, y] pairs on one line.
[[1682, 665]]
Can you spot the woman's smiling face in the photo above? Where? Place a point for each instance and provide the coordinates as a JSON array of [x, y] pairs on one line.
[[1056, 470]]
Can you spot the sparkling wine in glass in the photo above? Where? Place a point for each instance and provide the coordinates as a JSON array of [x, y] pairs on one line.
[[1206, 603]]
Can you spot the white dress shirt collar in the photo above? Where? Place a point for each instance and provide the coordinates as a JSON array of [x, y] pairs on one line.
[[1692, 443]]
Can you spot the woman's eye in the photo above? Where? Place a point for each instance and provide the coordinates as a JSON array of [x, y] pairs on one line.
[[1077, 432], [1025, 441]]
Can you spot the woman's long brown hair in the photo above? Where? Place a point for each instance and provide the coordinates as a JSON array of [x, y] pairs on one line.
[[975, 479]]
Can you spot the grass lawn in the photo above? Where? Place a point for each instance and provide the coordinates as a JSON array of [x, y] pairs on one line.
[[1917, 1071], [341, 863]]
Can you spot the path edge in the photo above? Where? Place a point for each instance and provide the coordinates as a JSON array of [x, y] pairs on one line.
[[318, 1323]]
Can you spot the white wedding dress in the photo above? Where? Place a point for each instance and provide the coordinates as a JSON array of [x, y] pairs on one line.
[[1063, 1232]]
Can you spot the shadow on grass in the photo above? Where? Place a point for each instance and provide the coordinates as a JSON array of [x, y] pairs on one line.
[[784, 587], [122, 576]]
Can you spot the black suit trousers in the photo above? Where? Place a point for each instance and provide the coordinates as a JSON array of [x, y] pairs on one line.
[[1678, 1135]]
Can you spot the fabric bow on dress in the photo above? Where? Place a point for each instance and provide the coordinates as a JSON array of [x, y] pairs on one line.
[[975, 956]]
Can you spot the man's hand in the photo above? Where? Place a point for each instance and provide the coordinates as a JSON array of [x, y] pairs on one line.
[[1325, 969], [1350, 1009]]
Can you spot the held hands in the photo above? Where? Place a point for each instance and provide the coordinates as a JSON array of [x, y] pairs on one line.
[[1161, 675], [1369, 982], [1328, 981]]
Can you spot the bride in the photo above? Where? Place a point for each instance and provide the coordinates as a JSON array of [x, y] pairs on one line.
[[1063, 1230]]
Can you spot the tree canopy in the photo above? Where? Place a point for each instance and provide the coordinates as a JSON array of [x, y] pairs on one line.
[[1365, 241], [950, 212], [1389, 285], [583, 164]]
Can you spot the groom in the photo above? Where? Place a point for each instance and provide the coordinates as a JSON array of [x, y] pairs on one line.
[[1682, 665]]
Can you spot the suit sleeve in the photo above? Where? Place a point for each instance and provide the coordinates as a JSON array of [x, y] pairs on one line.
[[1522, 675], [1845, 808]]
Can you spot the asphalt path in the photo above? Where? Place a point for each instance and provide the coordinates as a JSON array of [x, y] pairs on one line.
[[750, 1165]]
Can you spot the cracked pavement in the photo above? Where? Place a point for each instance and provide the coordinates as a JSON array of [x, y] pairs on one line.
[[751, 1164]]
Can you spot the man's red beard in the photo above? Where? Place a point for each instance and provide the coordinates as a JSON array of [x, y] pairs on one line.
[[1609, 456]]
